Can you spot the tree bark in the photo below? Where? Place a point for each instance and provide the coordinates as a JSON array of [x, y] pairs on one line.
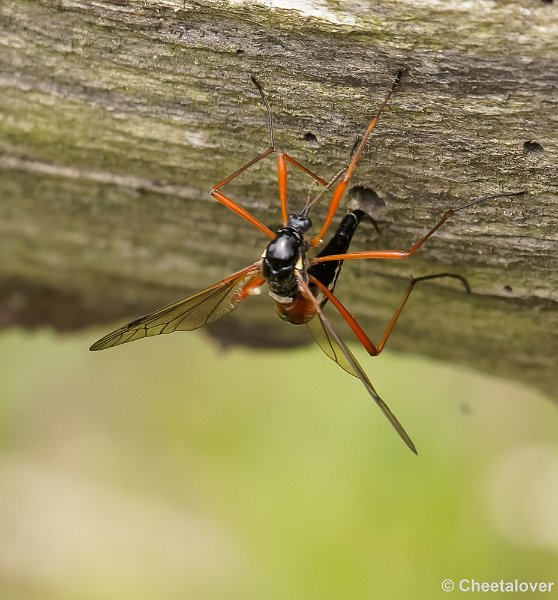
[[116, 118]]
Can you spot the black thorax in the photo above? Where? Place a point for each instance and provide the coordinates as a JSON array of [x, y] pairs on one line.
[[287, 252], [283, 255]]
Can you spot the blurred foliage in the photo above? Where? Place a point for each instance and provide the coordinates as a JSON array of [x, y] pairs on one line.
[[174, 469]]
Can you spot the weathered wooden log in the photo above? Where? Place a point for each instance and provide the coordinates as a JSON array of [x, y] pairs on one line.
[[116, 118]]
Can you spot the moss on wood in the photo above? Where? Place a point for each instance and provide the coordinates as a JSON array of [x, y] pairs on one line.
[[116, 119]]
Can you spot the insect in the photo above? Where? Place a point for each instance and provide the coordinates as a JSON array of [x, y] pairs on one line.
[[300, 284]]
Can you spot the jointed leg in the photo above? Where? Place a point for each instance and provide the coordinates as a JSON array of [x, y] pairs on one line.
[[249, 288], [282, 159], [367, 343], [305, 169], [342, 186], [403, 254], [229, 203], [243, 168], [234, 206]]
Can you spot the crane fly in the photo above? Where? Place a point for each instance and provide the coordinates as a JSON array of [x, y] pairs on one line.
[[300, 284]]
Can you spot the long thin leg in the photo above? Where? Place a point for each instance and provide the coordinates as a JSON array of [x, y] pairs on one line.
[[267, 108], [243, 168], [311, 201], [336, 349], [282, 177], [282, 159], [342, 186], [305, 169], [229, 203], [248, 289], [404, 254], [363, 338], [234, 206]]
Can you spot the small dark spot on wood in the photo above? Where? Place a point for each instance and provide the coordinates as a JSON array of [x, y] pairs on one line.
[[367, 200], [533, 148], [508, 289], [239, 51], [310, 139], [547, 1], [403, 71]]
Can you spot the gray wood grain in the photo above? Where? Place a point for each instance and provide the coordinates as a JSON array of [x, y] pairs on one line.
[[116, 118]]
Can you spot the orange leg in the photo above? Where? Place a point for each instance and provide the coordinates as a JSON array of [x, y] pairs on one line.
[[282, 175], [342, 185], [367, 343], [243, 168], [404, 254], [229, 203], [305, 169], [282, 158], [247, 290], [234, 206], [389, 254]]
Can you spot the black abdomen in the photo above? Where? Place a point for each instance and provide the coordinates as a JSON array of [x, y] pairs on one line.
[[328, 272]]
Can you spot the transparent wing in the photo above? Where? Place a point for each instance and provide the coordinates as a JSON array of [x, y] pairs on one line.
[[192, 312], [328, 340], [329, 345]]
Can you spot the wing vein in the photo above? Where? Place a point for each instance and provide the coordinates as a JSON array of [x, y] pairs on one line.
[[350, 363], [191, 312]]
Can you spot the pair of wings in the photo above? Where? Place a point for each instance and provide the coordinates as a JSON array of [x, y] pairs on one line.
[[217, 300]]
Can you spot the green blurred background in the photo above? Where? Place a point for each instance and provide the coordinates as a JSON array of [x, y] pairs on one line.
[[172, 468]]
